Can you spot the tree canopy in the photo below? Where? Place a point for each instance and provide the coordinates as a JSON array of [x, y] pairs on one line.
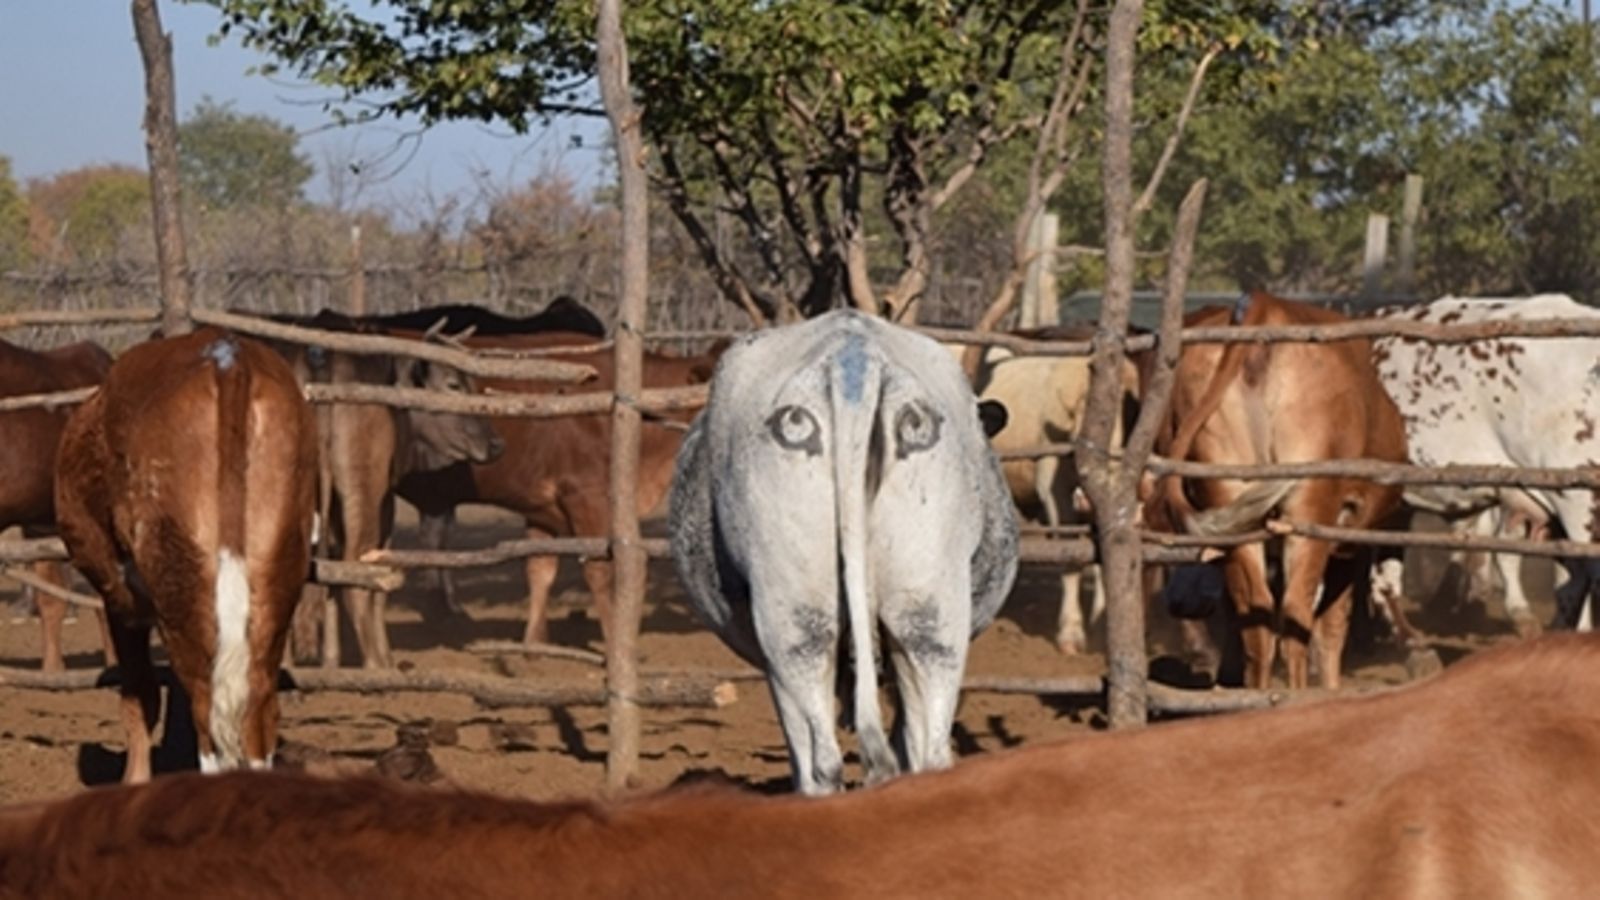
[[13, 220], [228, 159], [823, 131]]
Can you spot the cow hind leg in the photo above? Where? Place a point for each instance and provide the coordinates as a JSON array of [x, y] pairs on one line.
[[1306, 563], [541, 572], [1071, 636], [306, 623], [273, 598], [52, 615], [1387, 576], [1329, 633], [598, 574], [800, 641], [928, 645], [1246, 576], [139, 702], [365, 613], [432, 530]]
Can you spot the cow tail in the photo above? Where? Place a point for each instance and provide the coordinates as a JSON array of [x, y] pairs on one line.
[[1245, 512], [230, 667], [854, 390], [1225, 520]]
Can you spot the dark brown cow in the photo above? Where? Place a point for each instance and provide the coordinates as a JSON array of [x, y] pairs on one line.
[[1279, 403], [185, 493], [555, 472], [1480, 782], [28, 456]]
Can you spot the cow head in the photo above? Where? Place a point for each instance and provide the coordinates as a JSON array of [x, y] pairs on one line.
[[441, 439]]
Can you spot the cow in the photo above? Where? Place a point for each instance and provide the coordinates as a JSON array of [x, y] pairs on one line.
[[28, 458], [1478, 782], [1532, 402], [838, 478], [556, 472], [561, 314], [1259, 403], [1045, 399], [366, 450], [185, 492]]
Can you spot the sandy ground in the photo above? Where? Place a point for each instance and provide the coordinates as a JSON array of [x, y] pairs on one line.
[[55, 743]]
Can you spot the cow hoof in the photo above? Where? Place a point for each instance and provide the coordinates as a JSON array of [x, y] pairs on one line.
[[1526, 625], [1423, 662], [1072, 645]]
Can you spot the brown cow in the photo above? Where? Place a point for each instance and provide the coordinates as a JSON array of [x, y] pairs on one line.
[[1279, 403], [368, 451], [365, 450], [185, 493], [28, 457], [555, 472], [1480, 782]]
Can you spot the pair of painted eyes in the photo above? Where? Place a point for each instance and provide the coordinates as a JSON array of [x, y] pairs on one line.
[[916, 428]]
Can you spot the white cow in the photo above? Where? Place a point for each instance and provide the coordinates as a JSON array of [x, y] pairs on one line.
[[839, 479], [1045, 398], [1531, 402]]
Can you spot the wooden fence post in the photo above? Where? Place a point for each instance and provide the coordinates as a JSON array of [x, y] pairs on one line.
[[1040, 306], [627, 553], [1108, 489], [1410, 211], [161, 146], [1375, 257]]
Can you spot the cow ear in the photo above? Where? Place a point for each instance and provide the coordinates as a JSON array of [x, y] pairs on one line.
[[993, 415]]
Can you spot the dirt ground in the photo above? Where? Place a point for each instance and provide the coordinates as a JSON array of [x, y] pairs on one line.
[[55, 743]]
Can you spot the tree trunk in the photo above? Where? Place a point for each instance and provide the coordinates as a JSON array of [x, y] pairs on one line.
[[1111, 493], [627, 555], [161, 146]]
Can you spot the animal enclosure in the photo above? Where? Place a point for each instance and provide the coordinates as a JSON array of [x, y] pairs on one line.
[[1026, 685]]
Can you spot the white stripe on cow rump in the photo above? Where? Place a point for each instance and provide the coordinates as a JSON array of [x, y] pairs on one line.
[[230, 669]]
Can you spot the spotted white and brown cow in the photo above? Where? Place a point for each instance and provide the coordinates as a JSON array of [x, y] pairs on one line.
[[1532, 402]]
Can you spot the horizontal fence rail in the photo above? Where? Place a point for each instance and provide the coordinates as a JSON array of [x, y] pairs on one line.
[[372, 344]]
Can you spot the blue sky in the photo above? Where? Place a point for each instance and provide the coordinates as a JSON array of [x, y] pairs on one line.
[[72, 94]]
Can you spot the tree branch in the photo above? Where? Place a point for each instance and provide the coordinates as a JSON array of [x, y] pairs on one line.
[[1148, 195]]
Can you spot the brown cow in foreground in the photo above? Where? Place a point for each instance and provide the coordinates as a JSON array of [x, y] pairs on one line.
[[1481, 782], [555, 472], [28, 457], [1279, 403], [185, 494]]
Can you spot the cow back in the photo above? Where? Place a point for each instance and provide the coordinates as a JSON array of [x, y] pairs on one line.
[[1479, 782], [28, 453]]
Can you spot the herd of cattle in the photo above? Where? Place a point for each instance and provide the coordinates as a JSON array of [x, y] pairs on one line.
[[838, 495]]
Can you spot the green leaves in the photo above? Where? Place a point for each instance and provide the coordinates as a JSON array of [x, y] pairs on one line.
[[227, 159], [13, 220]]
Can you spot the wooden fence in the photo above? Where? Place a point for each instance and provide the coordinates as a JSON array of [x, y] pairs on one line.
[[383, 569]]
